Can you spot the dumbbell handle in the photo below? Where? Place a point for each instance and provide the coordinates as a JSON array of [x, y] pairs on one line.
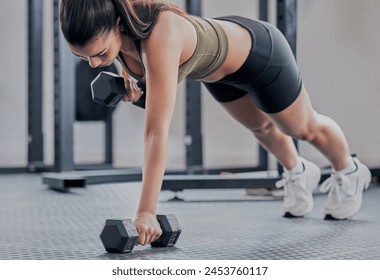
[[141, 102]]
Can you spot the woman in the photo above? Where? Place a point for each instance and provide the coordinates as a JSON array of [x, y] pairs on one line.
[[246, 65]]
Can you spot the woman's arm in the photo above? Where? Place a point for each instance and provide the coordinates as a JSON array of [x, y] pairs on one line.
[[161, 56]]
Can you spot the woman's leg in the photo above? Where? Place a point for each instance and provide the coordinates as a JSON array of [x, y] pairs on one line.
[[349, 178], [246, 112], [301, 122], [301, 176]]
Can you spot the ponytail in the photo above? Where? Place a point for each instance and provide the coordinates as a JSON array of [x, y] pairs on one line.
[[132, 21], [138, 17]]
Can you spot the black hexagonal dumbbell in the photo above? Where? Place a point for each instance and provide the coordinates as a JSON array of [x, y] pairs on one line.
[[120, 236], [109, 89]]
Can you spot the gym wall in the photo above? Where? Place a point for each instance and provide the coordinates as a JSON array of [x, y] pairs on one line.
[[13, 83], [338, 52]]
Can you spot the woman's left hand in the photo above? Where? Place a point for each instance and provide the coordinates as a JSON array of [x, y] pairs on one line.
[[133, 91]]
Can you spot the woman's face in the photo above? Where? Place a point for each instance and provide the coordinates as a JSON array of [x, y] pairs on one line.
[[101, 51]]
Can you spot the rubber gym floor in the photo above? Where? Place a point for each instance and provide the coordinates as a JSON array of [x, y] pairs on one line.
[[39, 223]]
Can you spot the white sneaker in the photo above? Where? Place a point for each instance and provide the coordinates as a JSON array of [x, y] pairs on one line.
[[346, 192], [298, 189]]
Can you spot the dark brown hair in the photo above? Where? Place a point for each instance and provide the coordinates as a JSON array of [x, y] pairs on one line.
[[83, 20]]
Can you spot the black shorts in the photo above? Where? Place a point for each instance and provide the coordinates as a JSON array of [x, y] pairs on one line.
[[270, 73]]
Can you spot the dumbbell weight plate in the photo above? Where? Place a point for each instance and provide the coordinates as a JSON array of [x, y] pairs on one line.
[[119, 236], [108, 88]]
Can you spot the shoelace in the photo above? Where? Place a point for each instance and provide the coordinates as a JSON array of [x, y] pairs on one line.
[[286, 181], [338, 181]]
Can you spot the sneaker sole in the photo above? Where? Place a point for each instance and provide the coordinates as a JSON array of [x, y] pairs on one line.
[[289, 215]]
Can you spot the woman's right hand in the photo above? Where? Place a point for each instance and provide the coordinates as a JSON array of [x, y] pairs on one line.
[[133, 91], [148, 227]]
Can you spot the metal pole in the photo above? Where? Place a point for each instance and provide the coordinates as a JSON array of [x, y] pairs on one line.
[[64, 100], [263, 155], [35, 141], [287, 24], [108, 138], [287, 21], [193, 137], [263, 10]]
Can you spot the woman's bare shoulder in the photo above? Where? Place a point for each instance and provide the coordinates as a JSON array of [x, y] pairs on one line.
[[169, 28]]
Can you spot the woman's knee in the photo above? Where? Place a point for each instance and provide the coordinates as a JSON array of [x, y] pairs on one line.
[[264, 129], [305, 132]]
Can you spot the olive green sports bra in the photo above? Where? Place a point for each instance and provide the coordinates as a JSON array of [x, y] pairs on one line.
[[210, 52]]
